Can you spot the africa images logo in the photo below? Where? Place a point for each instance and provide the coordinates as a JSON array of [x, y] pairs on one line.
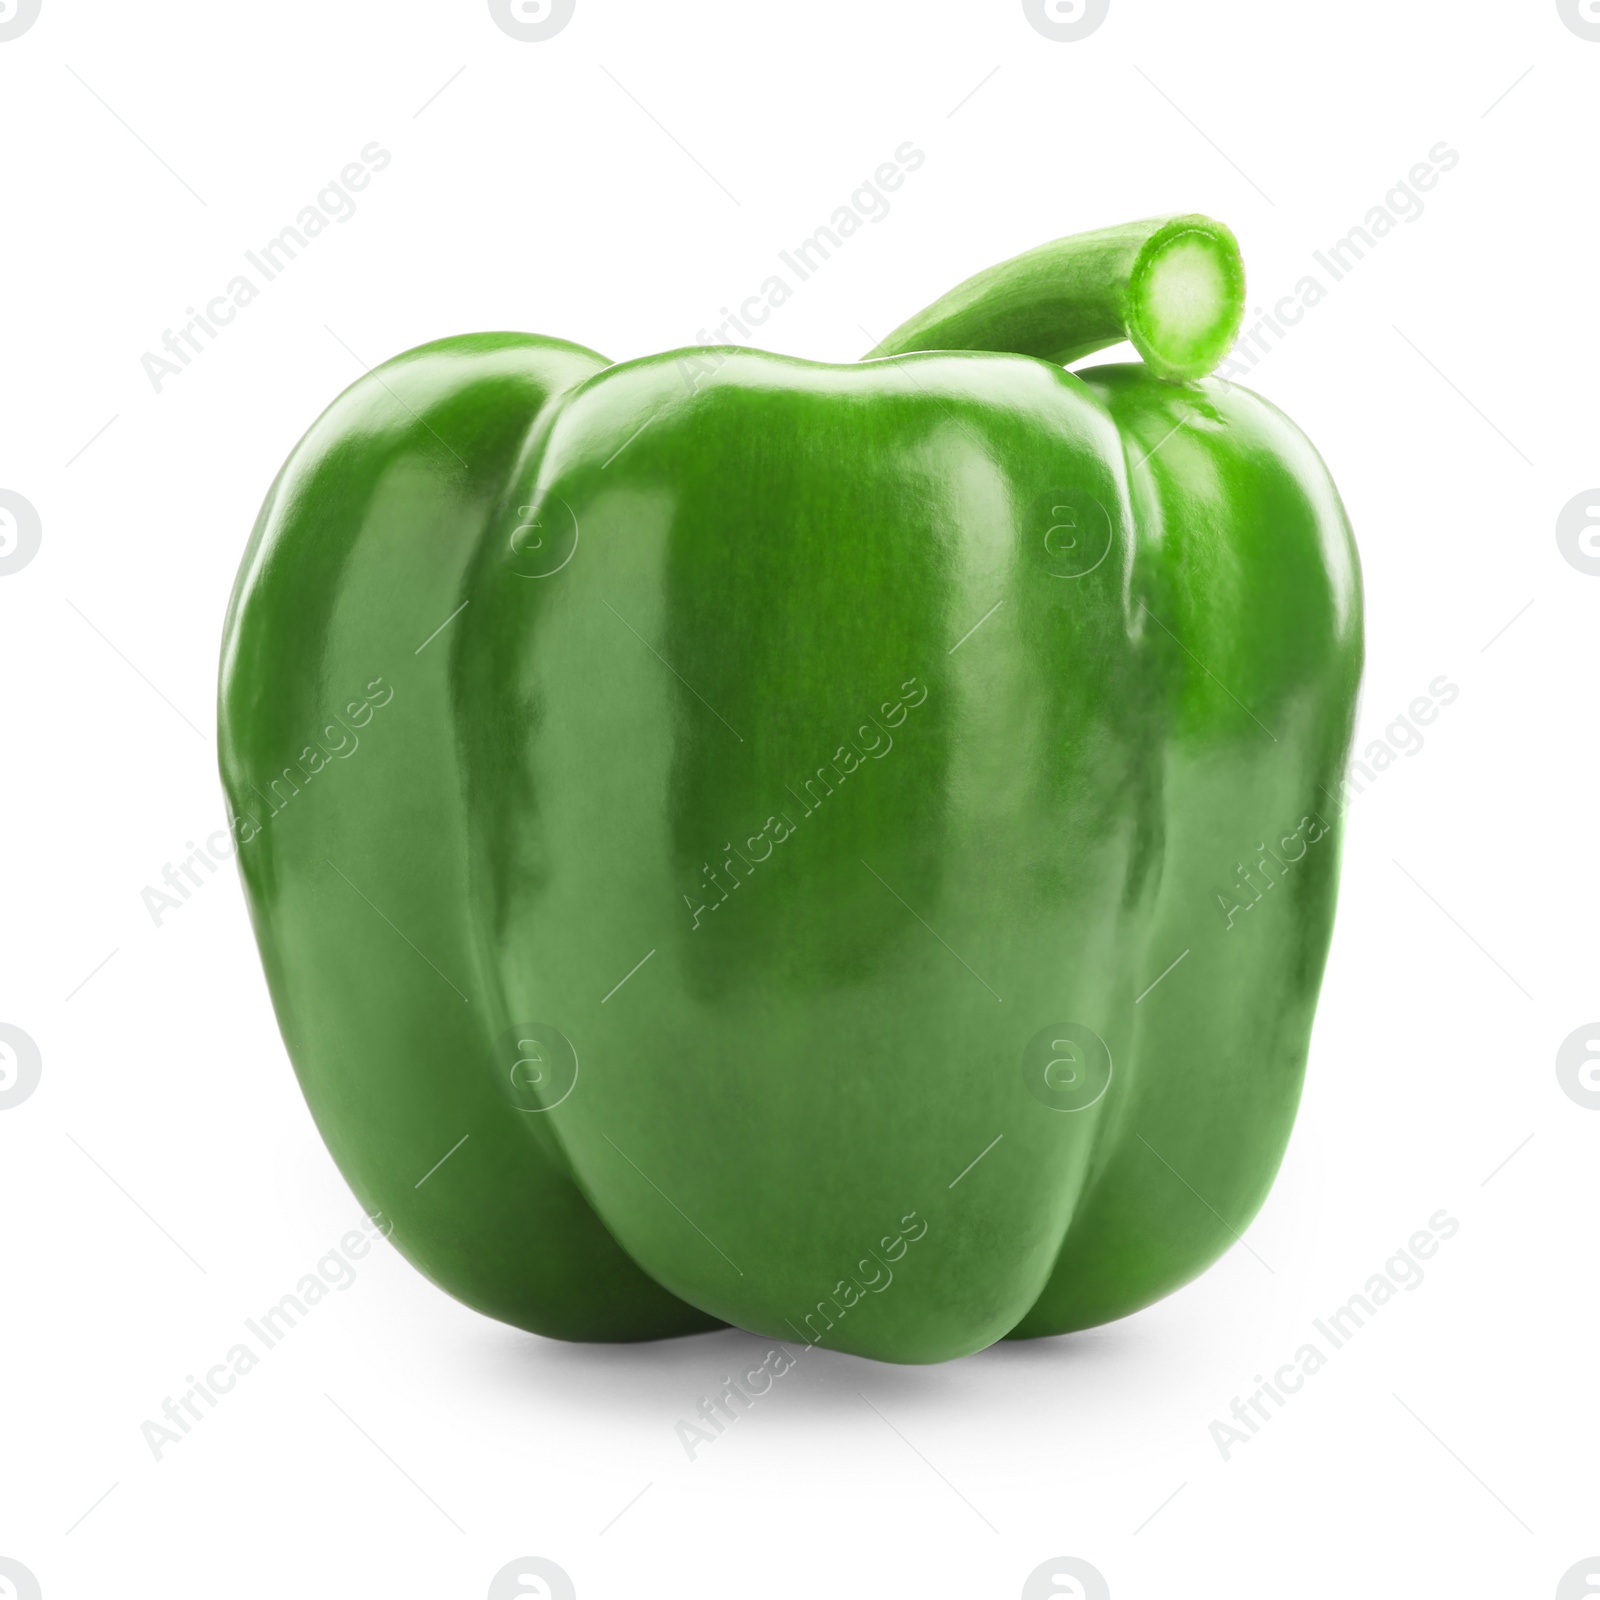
[[20, 532], [16, 17], [1065, 21], [531, 21]]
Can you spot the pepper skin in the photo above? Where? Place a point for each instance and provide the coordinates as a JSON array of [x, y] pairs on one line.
[[842, 850]]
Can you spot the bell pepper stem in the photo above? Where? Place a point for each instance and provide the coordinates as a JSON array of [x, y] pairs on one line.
[[1174, 286]]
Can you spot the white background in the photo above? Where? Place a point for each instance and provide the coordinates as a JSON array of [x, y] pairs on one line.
[[165, 1180]]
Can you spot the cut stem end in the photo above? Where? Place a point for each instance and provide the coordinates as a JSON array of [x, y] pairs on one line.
[[1186, 297]]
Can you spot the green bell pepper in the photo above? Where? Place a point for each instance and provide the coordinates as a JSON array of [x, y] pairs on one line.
[[840, 850]]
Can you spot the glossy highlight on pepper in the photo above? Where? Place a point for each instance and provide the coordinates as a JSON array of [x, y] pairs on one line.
[[843, 850]]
